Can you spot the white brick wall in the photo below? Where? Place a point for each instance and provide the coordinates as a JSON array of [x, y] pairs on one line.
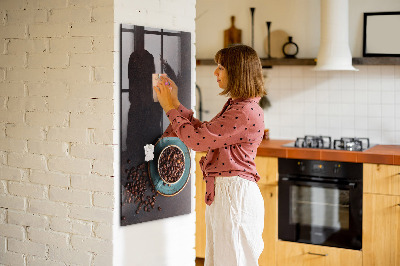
[[56, 126]]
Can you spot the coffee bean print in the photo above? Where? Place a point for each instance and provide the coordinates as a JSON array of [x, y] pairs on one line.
[[138, 190], [171, 164]]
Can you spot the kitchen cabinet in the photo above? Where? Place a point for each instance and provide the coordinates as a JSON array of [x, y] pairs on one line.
[[381, 215], [267, 168], [291, 253], [381, 230], [200, 209], [381, 221], [270, 233], [381, 179]]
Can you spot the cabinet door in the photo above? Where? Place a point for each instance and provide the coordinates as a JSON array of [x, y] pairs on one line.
[[267, 168], [297, 254], [270, 233], [200, 209], [381, 179], [381, 230]]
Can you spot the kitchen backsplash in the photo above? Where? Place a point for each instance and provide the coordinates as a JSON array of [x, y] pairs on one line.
[[337, 104]]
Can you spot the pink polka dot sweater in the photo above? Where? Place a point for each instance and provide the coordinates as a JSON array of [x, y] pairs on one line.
[[231, 139]]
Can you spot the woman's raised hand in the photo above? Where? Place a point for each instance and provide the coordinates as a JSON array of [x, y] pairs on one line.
[[174, 90], [164, 95]]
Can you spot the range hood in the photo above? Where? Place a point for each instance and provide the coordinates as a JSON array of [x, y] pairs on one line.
[[334, 51]]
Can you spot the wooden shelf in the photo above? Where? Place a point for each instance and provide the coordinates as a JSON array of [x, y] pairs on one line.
[[288, 62], [312, 61], [376, 61], [267, 63]]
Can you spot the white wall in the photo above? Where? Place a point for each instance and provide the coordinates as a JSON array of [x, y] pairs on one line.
[[168, 241], [299, 18], [337, 104]]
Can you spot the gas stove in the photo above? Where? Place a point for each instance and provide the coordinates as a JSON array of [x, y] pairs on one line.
[[325, 142]]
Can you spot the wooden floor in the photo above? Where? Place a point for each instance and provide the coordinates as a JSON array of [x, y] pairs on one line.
[[199, 262]]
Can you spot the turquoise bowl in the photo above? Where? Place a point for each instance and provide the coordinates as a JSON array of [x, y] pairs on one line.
[[162, 187]]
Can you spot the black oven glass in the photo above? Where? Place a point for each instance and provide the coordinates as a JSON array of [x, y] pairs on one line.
[[320, 205]]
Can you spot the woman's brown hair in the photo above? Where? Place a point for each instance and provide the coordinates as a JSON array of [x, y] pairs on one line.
[[245, 78]]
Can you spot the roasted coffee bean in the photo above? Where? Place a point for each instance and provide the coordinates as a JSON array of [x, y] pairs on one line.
[[159, 208], [139, 190], [171, 164]]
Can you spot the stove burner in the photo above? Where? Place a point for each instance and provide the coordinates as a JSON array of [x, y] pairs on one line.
[[351, 144], [324, 142], [308, 141]]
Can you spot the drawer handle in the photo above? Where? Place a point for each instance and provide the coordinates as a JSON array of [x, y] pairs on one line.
[[318, 254]]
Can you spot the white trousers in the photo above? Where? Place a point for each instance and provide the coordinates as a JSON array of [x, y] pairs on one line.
[[234, 223]]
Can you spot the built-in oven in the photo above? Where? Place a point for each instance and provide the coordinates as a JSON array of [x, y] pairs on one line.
[[320, 202]]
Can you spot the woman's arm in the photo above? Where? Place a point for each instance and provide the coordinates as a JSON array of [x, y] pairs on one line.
[[228, 129], [186, 113], [166, 91]]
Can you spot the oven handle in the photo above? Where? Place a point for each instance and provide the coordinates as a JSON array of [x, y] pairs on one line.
[[299, 181]]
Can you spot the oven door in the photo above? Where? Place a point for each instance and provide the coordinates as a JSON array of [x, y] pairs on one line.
[[321, 212]]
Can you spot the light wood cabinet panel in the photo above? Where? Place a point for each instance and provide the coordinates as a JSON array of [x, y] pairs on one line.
[[381, 179], [298, 254], [270, 233], [200, 209], [381, 230], [267, 168]]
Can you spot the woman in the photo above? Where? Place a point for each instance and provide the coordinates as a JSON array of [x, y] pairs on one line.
[[235, 207]]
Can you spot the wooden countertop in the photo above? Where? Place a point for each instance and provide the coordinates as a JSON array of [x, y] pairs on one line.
[[379, 154]]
